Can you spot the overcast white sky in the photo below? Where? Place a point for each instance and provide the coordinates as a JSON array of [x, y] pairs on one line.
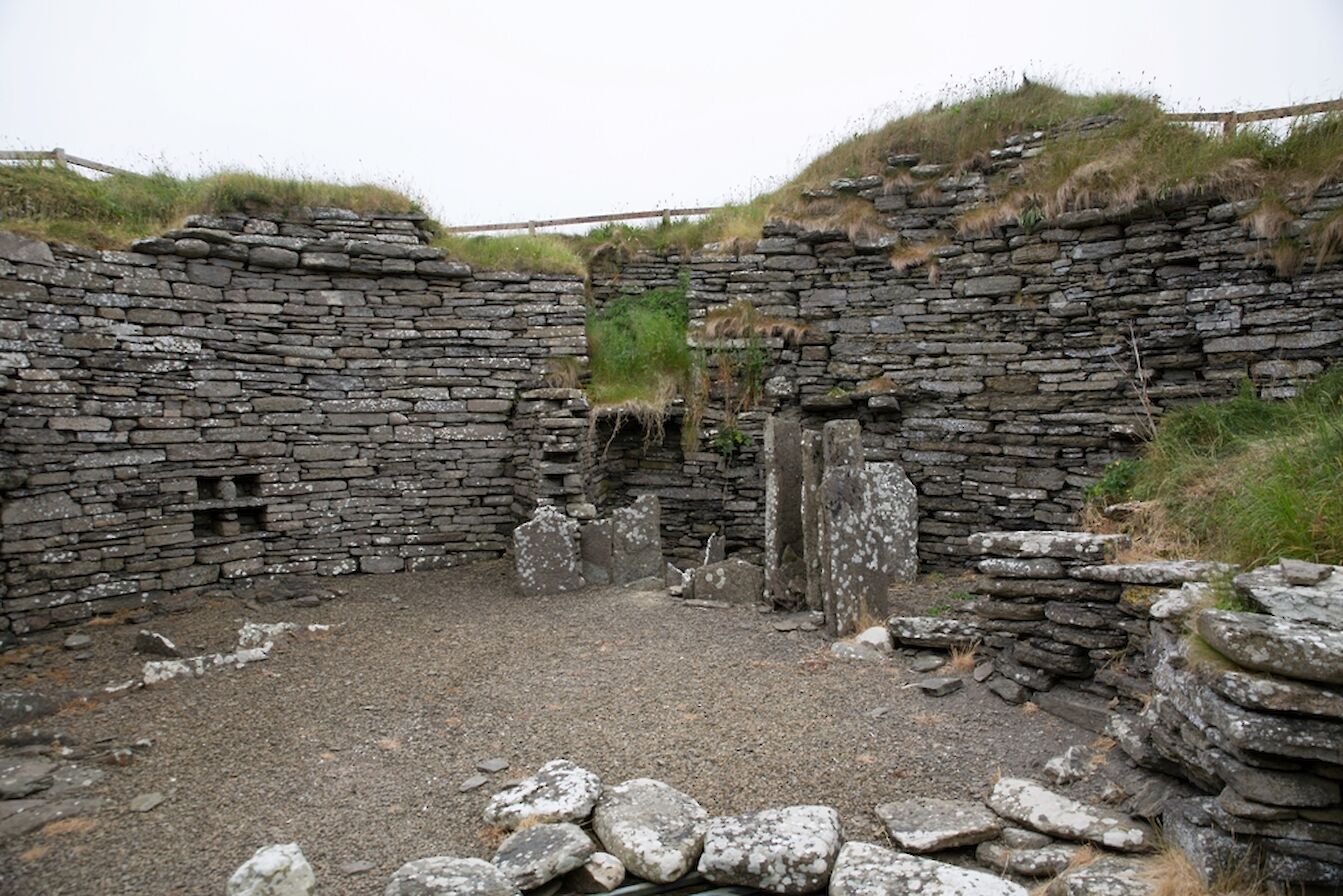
[[507, 110]]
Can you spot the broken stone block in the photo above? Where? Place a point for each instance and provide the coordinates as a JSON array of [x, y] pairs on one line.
[[865, 869], [714, 549], [636, 541], [595, 546], [896, 503], [782, 460], [733, 581], [155, 644], [546, 552], [537, 855]]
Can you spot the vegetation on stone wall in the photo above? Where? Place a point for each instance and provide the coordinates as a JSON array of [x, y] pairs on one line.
[[1247, 480]]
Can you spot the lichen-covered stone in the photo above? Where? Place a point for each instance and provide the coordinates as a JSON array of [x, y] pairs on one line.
[[1319, 602], [538, 854], [1268, 644], [559, 791], [786, 851], [865, 869], [1048, 543], [279, 870], [932, 825], [546, 552], [1035, 806], [636, 541], [447, 876], [733, 580], [654, 829]]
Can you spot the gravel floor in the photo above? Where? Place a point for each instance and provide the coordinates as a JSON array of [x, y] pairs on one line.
[[353, 743]]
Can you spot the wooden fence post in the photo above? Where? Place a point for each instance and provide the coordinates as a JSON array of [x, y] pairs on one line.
[[59, 155]]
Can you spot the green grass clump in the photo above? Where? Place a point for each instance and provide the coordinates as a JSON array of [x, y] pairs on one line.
[[52, 203], [638, 349], [541, 254], [1252, 480]]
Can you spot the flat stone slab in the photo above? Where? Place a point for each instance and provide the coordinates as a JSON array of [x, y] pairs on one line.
[[1269, 693], [492, 765], [1107, 876], [447, 876], [1301, 572], [1035, 806], [559, 791], [733, 581], [23, 815], [1319, 602], [1048, 543], [938, 687], [24, 706], [933, 631], [931, 825], [786, 851], [865, 869], [655, 830], [1155, 572], [546, 553], [1039, 861], [636, 540], [537, 855], [279, 870], [1269, 644], [21, 776]]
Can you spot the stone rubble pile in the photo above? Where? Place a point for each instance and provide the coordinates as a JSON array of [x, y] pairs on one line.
[[570, 833], [1249, 706]]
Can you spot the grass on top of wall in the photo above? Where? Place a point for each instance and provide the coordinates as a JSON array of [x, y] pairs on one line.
[[638, 349], [61, 205], [543, 253], [1247, 480]]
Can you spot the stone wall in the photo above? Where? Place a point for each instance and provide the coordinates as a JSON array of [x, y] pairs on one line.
[[1000, 371], [248, 396]]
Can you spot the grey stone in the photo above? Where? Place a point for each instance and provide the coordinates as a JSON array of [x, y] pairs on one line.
[[472, 783], [279, 870], [934, 631], [272, 257], [546, 553], [24, 706], [1319, 602], [536, 855], [1269, 693], [1107, 876], [21, 776], [20, 816], [927, 662], [77, 641], [733, 581], [595, 539], [932, 825], [636, 541], [782, 463], [559, 791], [983, 672], [896, 503], [492, 765], [1158, 572], [1068, 767], [787, 851], [23, 250], [1008, 568], [813, 467], [154, 644], [938, 687], [1041, 861], [655, 830], [1035, 806], [146, 802], [1048, 543], [854, 650], [350, 869], [865, 869], [601, 873], [1299, 572], [1268, 644], [447, 876]]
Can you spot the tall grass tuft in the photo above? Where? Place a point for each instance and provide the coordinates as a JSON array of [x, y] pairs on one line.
[[1251, 480]]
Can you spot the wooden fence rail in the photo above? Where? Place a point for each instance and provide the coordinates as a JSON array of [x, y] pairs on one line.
[[1228, 120], [61, 158]]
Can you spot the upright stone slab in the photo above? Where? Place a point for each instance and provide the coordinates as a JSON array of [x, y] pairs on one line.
[[546, 553], [896, 503], [813, 466], [854, 577], [784, 548], [596, 552], [636, 541]]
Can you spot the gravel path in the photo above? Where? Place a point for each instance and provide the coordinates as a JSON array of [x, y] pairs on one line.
[[353, 743]]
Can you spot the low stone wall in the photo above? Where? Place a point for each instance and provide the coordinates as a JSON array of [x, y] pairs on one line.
[[1246, 706], [248, 396]]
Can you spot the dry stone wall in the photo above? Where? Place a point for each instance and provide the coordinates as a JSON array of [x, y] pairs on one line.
[[1000, 371], [248, 396]]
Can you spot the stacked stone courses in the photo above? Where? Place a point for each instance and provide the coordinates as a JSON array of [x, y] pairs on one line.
[[247, 396], [1000, 373]]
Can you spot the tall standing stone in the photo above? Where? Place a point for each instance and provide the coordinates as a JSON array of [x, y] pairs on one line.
[[596, 551], [546, 553], [636, 541], [784, 548], [854, 576], [896, 503], [813, 466]]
